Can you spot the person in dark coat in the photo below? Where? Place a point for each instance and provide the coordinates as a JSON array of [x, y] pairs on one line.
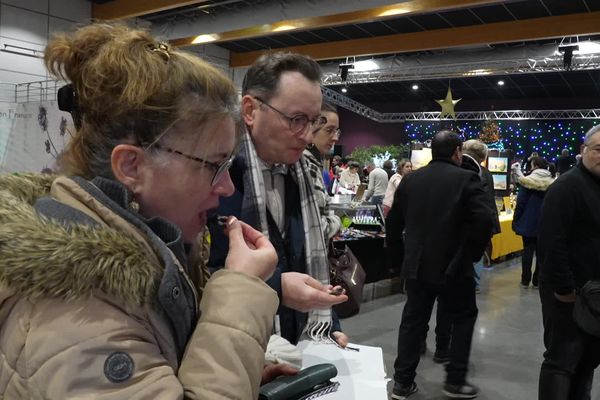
[[532, 189], [564, 162], [439, 225], [569, 250], [388, 167], [475, 152]]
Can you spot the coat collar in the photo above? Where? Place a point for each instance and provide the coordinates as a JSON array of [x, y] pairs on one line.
[[43, 257]]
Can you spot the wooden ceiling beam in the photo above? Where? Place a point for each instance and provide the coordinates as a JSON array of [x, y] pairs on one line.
[[500, 32], [410, 7], [120, 9]]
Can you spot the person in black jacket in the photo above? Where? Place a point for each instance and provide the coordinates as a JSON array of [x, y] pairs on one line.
[[569, 250], [439, 225], [477, 151]]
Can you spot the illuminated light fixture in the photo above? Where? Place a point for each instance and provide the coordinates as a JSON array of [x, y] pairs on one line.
[[587, 47], [415, 87], [500, 82], [282, 28], [345, 67], [393, 11], [205, 38], [567, 51], [344, 90], [478, 72], [365, 65]]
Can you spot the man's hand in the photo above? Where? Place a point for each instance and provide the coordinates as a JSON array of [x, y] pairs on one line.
[[566, 298], [304, 293], [272, 371], [341, 338], [250, 251]]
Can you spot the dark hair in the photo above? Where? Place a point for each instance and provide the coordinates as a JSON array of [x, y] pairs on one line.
[[388, 164], [444, 144], [262, 79], [327, 106], [539, 162]]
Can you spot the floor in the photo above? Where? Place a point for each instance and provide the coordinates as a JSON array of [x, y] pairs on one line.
[[507, 342]]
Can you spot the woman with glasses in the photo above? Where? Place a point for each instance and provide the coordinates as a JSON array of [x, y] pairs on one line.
[[100, 297], [323, 141]]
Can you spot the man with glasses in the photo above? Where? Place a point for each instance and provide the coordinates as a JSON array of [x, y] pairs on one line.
[[323, 141], [569, 252], [281, 108]]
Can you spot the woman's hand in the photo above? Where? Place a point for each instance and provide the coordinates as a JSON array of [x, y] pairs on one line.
[[250, 251]]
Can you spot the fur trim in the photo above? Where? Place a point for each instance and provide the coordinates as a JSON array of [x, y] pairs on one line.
[[40, 257], [539, 179]]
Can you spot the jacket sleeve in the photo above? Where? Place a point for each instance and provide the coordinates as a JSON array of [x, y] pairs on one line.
[[370, 188], [98, 349], [478, 221], [558, 214]]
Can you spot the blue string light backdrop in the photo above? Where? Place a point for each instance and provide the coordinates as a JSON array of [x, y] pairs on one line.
[[546, 137]]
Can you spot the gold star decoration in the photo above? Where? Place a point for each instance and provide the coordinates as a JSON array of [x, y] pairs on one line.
[[448, 105]]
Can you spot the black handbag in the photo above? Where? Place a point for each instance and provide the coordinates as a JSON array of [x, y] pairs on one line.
[[586, 311], [346, 271], [309, 383]]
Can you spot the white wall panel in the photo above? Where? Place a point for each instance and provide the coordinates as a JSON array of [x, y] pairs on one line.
[[23, 25], [80, 11], [40, 6], [60, 25]]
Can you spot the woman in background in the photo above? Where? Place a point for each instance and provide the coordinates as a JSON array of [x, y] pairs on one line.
[[404, 167], [532, 189], [349, 177], [99, 297], [323, 141]]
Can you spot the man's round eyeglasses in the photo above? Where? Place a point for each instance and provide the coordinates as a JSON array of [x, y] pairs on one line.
[[298, 123], [219, 168]]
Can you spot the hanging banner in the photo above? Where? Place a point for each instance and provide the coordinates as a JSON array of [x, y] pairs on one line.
[[38, 134]]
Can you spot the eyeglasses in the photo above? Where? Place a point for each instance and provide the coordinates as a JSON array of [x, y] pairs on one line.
[[333, 131], [298, 123], [219, 168]]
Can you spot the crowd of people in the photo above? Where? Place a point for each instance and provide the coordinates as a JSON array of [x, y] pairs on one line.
[[188, 228]]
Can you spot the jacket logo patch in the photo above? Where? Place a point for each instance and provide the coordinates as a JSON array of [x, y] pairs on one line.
[[118, 367]]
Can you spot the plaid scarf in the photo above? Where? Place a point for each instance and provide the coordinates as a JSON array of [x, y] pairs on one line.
[[254, 212]]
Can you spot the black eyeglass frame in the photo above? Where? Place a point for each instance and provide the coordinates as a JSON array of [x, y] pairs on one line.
[[321, 120], [219, 168]]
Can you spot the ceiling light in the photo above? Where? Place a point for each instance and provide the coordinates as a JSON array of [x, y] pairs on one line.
[[344, 90], [587, 47], [365, 65], [415, 87], [282, 28], [205, 38], [395, 10], [477, 72], [500, 83]]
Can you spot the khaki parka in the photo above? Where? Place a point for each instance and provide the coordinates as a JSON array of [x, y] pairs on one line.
[[79, 317]]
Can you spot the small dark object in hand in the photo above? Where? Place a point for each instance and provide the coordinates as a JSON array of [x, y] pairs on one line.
[[220, 220], [337, 291]]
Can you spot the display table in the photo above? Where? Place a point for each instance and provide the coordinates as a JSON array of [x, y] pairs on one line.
[[507, 241]]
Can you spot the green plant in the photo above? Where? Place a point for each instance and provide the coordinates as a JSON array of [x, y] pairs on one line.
[[364, 155]]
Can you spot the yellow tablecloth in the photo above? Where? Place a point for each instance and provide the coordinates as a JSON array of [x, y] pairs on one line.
[[507, 241]]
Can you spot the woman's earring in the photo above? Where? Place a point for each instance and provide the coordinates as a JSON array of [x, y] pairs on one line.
[[134, 206]]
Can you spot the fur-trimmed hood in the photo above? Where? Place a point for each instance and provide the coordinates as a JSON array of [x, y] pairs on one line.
[[538, 179], [40, 257]]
